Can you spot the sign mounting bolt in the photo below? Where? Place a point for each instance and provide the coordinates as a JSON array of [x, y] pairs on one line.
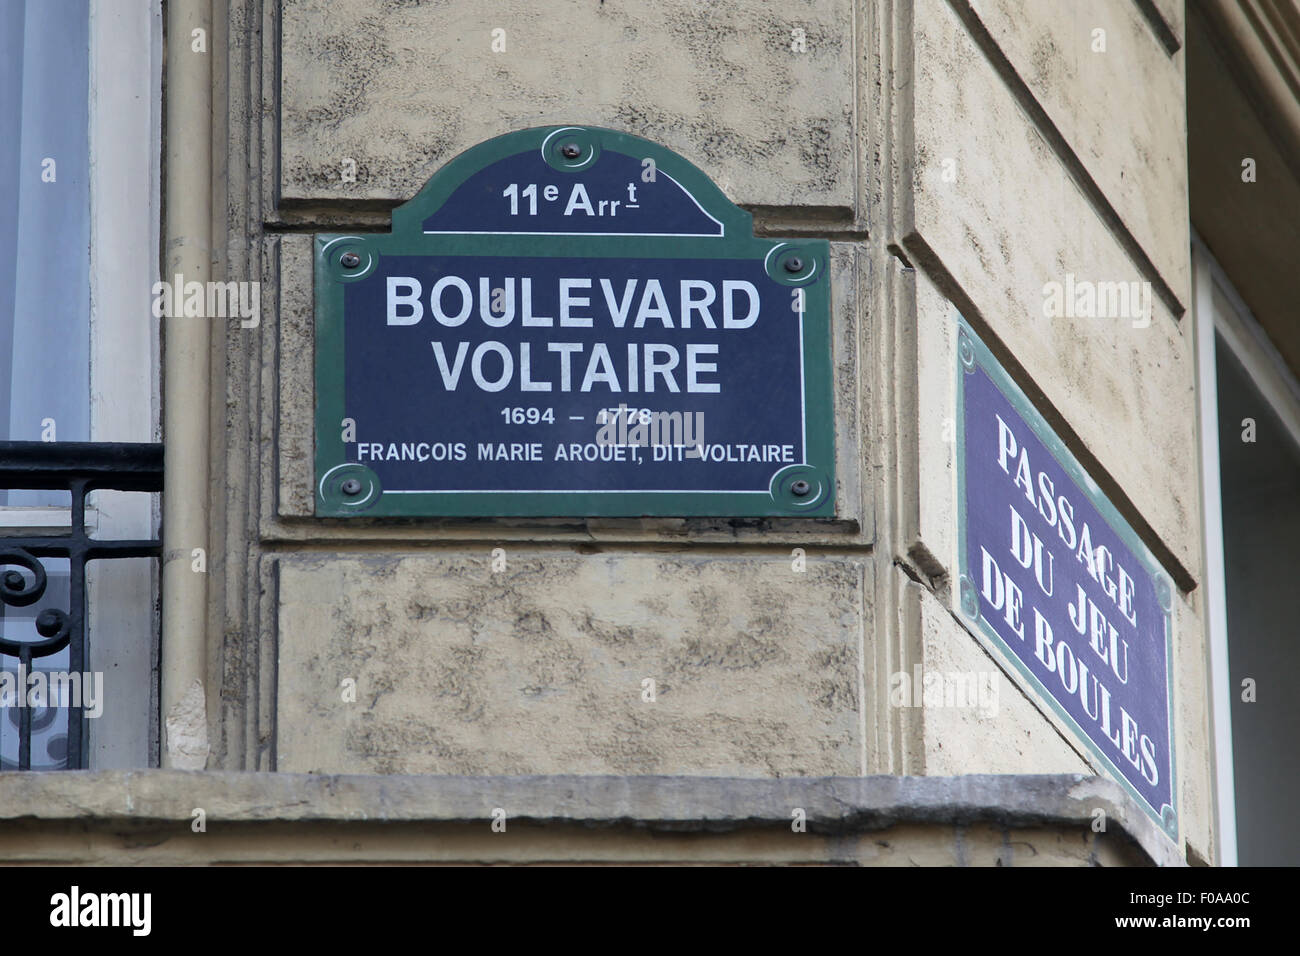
[[570, 151], [351, 487], [349, 260], [800, 488], [794, 264]]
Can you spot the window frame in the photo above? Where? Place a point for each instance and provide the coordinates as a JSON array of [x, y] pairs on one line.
[[1246, 339], [125, 231], [125, 141]]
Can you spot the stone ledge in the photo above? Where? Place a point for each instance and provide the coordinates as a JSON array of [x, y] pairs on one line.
[[681, 804]]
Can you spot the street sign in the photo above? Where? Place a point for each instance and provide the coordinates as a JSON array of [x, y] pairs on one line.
[[1060, 586], [571, 321]]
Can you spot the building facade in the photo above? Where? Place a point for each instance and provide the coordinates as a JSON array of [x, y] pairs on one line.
[[1101, 195]]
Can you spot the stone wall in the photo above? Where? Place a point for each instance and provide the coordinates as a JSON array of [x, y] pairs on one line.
[[959, 155]]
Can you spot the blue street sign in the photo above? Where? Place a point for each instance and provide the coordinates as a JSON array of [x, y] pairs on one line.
[[571, 321], [1060, 585]]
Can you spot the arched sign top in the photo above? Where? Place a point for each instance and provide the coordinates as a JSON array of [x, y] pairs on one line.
[[571, 321], [572, 181]]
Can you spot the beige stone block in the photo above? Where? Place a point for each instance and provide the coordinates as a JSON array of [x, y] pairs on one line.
[[145, 817], [296, 377], [986, 845], [540, 667], [931, 357], [400, 89], [474, 844], [1122, 396], [1120, 109], [975, 718], [1192, 719]]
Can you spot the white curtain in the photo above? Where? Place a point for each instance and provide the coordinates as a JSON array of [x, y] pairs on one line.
[[44, 222]]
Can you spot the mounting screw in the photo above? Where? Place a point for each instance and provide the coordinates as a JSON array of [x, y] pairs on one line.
[[351, 487], [349, 260], [800, 488], [13, 580], [794, 264], [570, 150]]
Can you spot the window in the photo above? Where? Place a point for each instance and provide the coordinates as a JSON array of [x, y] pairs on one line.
[[79, 252], [45, 231], [1251, 459]]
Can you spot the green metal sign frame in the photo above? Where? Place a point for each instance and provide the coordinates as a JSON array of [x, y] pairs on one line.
[[803, 489], [972, 353]]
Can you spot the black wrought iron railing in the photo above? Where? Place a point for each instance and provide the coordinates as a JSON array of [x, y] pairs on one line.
[[79, 468]]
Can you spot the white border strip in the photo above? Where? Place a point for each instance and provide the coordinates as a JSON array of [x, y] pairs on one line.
[[1216, 598]]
